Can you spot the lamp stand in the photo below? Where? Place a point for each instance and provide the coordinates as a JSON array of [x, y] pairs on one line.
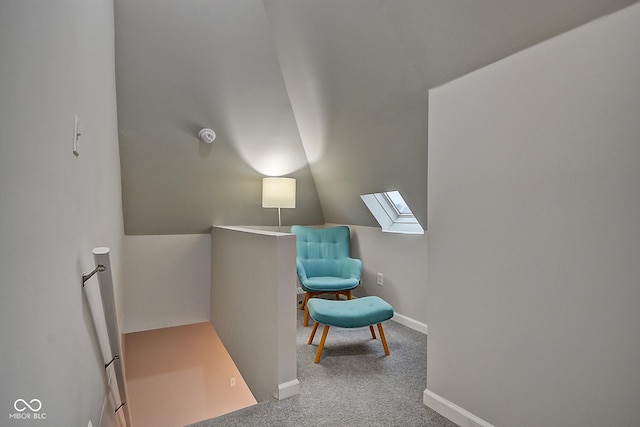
[[279, 221]]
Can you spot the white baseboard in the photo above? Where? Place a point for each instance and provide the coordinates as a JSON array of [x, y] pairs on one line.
[[452, 411], [410, 323], [288, 389]]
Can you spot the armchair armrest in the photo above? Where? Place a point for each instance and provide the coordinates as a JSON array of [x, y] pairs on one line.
[[302, 274], [351, 268]]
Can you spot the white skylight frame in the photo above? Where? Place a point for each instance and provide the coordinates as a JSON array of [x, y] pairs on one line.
[[391, 220]]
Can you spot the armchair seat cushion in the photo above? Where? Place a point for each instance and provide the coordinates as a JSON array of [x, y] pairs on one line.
[[328, 284]]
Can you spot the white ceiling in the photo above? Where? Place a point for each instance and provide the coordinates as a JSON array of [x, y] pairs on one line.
[[331, 92]]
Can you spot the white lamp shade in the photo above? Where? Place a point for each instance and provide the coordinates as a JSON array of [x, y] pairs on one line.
[[278, 192]]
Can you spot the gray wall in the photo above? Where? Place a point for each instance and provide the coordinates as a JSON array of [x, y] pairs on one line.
[[534, 233], [168, 280], [57, 60], [401, 258], [332, 92], [253, 306], [182, 66]]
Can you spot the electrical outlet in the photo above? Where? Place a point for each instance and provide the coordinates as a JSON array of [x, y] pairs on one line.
[[380, 280], [232, 382]]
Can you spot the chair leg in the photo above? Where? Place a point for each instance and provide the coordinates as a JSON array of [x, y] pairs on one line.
[[307, 295], [304, 307], [305, 322], [373, 333], [321, 346], [313, 333], [383, 339]]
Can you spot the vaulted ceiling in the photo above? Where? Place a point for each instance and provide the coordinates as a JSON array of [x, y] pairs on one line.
[[331, 92]]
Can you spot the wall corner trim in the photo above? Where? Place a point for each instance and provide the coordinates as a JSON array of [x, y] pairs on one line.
[[452, 411], [288, 389]]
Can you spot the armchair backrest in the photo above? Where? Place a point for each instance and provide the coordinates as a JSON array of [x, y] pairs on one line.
[[322, 250]]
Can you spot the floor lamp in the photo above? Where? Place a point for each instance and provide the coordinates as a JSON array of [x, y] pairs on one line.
[[278, 192]]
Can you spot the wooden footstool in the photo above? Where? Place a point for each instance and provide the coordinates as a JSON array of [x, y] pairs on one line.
[[355, 313]]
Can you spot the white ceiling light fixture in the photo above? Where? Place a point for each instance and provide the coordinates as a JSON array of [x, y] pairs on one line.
[[207, 135]]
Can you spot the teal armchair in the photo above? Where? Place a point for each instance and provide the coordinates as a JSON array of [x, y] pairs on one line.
[[323, 263]]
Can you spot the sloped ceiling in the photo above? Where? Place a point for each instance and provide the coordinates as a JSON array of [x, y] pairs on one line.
[[331, 92]]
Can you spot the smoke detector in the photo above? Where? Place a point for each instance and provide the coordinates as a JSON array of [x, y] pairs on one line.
[[207, 135]]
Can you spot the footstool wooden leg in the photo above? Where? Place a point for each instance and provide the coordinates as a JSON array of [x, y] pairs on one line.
[[383, 339], [313, 333], [305, 322], [373, 332], [304, 307], [321, 346]]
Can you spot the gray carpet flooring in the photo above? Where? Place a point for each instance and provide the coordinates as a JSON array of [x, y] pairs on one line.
[[354, 384]]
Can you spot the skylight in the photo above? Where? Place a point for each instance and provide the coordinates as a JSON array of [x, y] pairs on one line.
[[399, 204], [392, 212]]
